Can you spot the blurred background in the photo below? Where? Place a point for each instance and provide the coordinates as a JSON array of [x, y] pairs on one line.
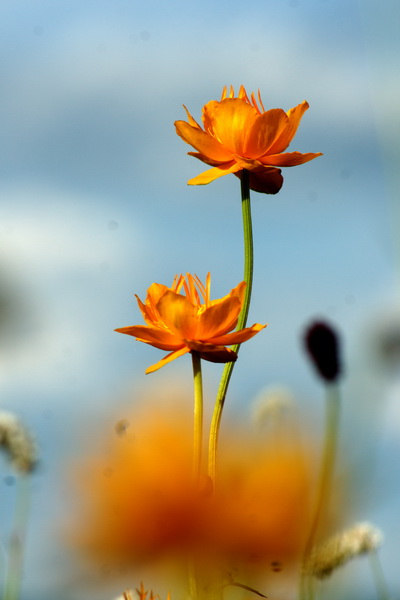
[[94, 207]]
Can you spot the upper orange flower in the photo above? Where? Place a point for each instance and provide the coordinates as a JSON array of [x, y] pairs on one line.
[[191, 322], [238, 135]]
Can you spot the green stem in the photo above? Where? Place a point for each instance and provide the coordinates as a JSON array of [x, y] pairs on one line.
[[198, 416], [197, 452], [227, 372], [381, 586], [17, 540], [327, 465]]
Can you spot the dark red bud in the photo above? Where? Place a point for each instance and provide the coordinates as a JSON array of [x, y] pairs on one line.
[[322, 345]]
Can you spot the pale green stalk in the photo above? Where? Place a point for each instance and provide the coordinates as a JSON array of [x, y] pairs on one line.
[[17, 539], [227, 372], [197, 451], [381, 586], [332, 411], [198, 416]]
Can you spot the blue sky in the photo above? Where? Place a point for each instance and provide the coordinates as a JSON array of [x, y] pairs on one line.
[[94, 204]]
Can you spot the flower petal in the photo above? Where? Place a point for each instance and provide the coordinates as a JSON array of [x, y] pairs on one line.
[[192, 121], [207, 159], [167, 359], [211, 352], [148, 310], [212, 174], [219, 318], [231, 121], [264, 131], [238, 291], [289, 159], [178, 314], [153, 336], [202, 141], [294, 117], [207, 116], [237, 337], [267, 181]]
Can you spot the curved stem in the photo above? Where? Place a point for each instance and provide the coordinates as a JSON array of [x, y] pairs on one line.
[[227, 372], [326, 472]]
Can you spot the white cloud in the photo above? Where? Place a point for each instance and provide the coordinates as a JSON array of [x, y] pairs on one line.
[[63, 255]]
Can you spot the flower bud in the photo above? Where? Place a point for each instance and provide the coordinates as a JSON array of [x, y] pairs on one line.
[[322, 345]]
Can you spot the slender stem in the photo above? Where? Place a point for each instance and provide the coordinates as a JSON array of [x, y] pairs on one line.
[[192, 579], [197, 452], [198, 416], [227, 372], [248, 251], [327, 465], [17, 540], [381, 586]]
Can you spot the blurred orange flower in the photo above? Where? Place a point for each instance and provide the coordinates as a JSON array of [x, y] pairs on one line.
[[191, 322], [142, 507], [139, 491], [264, 500], [238, 135]]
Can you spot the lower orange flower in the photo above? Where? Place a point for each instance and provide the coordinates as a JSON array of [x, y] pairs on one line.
[[191, 322]]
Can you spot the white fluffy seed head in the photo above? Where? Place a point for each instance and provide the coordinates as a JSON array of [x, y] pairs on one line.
[[18, 443], [272, 404], [339, 549]]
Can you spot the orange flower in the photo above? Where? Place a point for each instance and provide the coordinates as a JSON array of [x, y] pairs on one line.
[[191, 322], [238, 135], [137, 504]]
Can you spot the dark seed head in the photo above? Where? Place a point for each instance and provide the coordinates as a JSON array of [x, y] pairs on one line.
[[322, 345]]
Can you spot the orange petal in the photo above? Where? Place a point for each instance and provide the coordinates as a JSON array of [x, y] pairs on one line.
[[167, 359], [243, 95], [219, 318], [148, 310], [144, 310], [249, 164], [294, 117], [237, 291], [264, 131], [192, 121], [155, 291], [206, 159], [155, 337], [289, 159], [254, 102], [212, 174], [231, 121], [207, 117], [211, 352], [203, 142], [178, 314], [191, 291], [237, 337], [267, 181]]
